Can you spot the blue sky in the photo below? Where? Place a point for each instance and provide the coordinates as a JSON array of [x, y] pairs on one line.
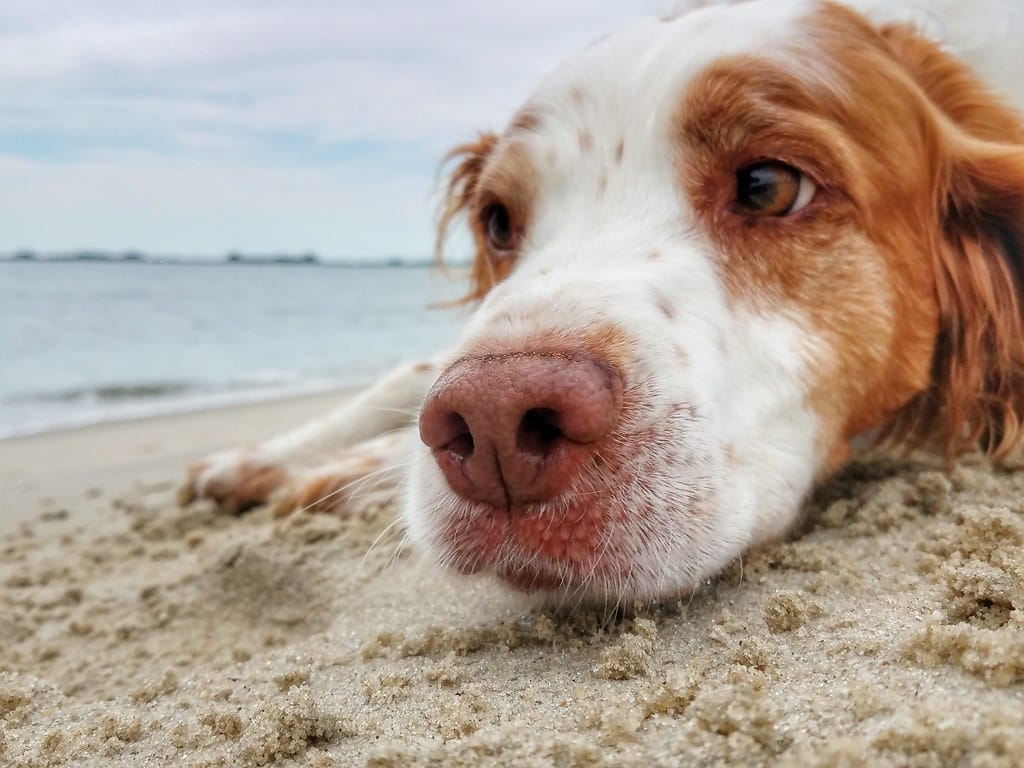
[[201, 127]]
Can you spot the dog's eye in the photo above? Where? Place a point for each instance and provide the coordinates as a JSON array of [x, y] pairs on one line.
[[498, 227], [772, 189]]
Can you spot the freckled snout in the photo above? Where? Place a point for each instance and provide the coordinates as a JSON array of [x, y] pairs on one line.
[[517, 428]]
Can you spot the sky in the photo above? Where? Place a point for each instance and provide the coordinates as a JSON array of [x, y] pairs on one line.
[[200, 127]]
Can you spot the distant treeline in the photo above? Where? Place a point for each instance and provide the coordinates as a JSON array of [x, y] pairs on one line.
[[298, 259]]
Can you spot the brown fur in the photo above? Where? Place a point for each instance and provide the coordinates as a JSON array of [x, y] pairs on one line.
[[330, 489], [976, 396], [968, 208], [849, 261], [930, 200], [459, 198], [254, 484]]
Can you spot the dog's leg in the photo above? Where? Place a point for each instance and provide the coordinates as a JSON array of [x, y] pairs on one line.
[[240, 478], [366, 473]]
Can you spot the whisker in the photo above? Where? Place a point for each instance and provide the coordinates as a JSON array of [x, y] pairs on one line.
[[410, 412], [361, 480], [380, 537]]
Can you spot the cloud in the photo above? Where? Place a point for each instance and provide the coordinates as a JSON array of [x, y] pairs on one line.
[[205, 108]]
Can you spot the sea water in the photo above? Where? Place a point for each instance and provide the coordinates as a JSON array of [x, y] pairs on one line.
[[84, 342]]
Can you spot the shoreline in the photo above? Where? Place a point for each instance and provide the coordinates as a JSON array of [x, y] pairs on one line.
[[141, 409], [63, 464]]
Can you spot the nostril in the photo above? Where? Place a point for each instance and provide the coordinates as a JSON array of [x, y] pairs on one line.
[[445, 429], [460, 439], [538, 432]]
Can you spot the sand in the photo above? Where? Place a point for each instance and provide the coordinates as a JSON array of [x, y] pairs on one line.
[[890, 631]]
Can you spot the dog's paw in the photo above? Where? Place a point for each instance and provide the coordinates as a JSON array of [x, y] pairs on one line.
[[350, 479], [236, 480]]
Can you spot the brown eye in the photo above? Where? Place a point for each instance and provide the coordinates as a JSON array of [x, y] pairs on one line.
[[772, 189], [498, 227]]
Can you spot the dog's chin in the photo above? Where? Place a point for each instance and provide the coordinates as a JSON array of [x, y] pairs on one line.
[[586, 552], [533, 581], [551, 588], [619, 588]]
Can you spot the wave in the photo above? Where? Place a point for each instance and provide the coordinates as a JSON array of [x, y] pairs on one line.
[[114, 392], [37, 412], [108, 392]]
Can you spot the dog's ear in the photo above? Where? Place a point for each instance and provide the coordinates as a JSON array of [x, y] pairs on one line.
[[976, 396], [979, 363], [458, 200]]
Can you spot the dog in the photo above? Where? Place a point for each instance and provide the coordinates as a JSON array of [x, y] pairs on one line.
[[717, 254]]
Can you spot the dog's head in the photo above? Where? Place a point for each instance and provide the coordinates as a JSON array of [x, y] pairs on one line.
[[711, 251]]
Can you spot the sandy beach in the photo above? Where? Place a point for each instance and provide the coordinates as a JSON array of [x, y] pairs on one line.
[[889, 631]]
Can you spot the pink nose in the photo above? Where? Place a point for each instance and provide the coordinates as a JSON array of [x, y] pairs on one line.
[[517, 428]]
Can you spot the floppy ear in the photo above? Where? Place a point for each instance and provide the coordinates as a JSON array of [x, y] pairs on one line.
[[979, 362], [976, 396], [458, 200]]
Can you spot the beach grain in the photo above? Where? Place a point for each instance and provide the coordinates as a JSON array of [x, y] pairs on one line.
[[890, 632]]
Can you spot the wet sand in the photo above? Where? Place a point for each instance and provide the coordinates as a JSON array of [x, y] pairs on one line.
[[890, 631]]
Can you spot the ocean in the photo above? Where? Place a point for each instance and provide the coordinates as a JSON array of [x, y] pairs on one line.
[[87, 342]]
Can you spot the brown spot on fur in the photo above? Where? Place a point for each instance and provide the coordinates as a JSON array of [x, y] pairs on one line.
[[620, 150], [665, 306], [602, 182], [586, 141], [610, 344], [526, 120]]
